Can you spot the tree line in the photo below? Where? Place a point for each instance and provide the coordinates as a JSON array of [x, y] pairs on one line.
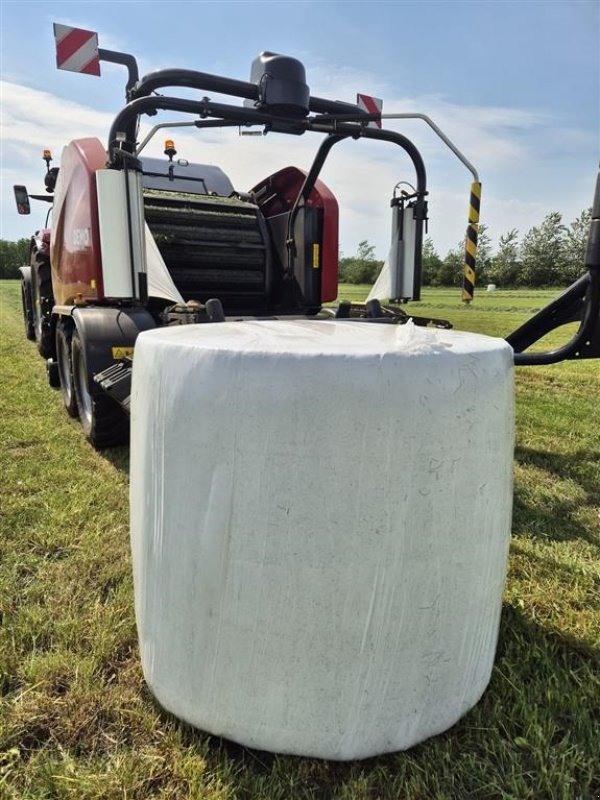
[[12, 256], [549, 254]]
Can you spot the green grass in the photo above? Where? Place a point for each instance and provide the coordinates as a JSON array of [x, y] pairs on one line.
[[76, 720]]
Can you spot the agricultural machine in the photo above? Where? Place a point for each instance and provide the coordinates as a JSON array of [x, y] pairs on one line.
[[136, 242]]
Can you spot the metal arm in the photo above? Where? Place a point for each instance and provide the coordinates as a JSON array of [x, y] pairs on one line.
[[581, 301], [126, 60]]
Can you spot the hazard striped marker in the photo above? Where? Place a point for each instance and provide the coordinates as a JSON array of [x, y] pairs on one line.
[[468, 287], [372, 105], [76, 50]]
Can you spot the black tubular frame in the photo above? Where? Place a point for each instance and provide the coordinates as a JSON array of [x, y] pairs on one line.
[[126, 60], [340, 121], [122, 136], [580, 302], [206, 82]]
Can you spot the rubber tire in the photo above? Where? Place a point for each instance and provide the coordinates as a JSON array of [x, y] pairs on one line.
[[27, 303], [104, 423], [64, 334], [41, 294]]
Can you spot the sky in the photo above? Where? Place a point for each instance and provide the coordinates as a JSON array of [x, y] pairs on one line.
[[515, 86]]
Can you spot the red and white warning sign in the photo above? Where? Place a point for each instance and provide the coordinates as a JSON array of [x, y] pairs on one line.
[[76, 49], [372, 105]]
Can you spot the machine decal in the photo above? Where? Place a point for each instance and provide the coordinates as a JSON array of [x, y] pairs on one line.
[[316, 252], [468, 287], [81, 239], [122, 352], [77, 50]]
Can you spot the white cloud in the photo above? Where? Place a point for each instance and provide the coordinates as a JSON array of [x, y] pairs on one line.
[[503, 143], [31, 116]]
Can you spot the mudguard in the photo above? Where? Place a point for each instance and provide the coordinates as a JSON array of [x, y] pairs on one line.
[[108, 334]]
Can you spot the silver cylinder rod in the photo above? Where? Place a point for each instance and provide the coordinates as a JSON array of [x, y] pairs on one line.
[[442, 136]]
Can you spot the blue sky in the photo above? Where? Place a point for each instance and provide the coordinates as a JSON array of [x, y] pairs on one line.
[[516, 85]]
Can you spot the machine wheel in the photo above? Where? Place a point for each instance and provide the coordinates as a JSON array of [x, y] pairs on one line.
[[103, 422], [64, 334], [41, 295], [27, 302]]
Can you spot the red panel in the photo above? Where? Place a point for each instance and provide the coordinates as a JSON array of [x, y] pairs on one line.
[[77, 49], [72, 42], [93, 68], [277, 194], [75, 250]]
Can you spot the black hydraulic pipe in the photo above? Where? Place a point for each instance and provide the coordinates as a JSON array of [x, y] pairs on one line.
[[305, 191], [388, 136], [217, 123], [344, 131], [125, 122], [335, 107], [126, 60], [317, 165], [192, 79], [205, 82], [419, 165]]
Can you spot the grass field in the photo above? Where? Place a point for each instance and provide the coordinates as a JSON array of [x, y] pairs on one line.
[[76, 720]]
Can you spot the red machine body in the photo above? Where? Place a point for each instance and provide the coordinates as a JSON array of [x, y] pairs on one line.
[[75, 244], [277, 194]]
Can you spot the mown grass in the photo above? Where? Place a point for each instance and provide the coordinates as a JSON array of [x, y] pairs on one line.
[[76, 720]]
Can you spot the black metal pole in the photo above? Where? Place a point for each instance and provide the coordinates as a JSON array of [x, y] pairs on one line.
[[126, 60]]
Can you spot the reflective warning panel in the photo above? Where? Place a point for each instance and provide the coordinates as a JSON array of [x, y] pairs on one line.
[[372, 105], [76, 49]]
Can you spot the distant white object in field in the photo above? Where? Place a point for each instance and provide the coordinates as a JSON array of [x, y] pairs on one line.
[[320, 519], [491, 287]]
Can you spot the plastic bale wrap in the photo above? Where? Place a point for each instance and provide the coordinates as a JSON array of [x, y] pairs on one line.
[[320, 518]]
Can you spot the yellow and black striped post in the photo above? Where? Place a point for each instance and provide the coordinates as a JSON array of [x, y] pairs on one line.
[[468, 286]]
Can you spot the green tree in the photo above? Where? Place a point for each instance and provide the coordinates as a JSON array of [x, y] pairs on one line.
[[451, 270], [484, 255], [504, 267], [361, 268], [576, 244], [12, 256], [543, 253], [431, 262]]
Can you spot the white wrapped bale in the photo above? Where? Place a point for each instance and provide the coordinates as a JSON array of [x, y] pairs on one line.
[[320, 517]]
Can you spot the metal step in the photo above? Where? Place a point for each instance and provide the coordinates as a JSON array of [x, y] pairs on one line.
[[116, 382]]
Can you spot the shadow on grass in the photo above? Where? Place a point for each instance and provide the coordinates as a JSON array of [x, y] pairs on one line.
[[554, 516], [579, 467], [118, 457]]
